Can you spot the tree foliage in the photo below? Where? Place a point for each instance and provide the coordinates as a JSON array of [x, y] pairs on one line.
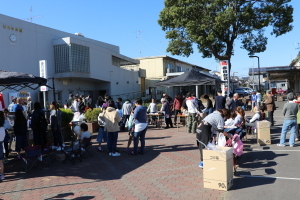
[[214, 25]]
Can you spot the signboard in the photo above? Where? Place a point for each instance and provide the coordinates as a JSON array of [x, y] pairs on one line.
[[43, 73], [224, 71], [22, 94]]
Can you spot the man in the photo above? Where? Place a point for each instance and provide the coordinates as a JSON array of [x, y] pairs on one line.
[[165, 108], [18, 105], [258, 98], [270, 107], [234, 102], [10, 106], [253, 99], [220, 101], [29, 105], [192, 110], [83, 99], [70, 100], [88, 101], [118, 103], [290, 110], [140, 128]]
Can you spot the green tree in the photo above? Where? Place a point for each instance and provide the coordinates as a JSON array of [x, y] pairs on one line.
[[214, 25]]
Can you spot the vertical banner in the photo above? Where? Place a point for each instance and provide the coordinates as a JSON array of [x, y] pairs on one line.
[[224, 71], [43, 73]]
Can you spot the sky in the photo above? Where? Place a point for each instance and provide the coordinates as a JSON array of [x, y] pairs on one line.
[[132, 25]]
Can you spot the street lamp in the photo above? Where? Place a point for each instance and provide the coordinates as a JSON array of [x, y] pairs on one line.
[[258, 70]]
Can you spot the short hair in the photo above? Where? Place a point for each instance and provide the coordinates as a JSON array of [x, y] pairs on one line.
[[290, 96], [225, 113], [54, 103], [193, 94], [139, 101], [206, 96], [84, 126], [269, 92], [188, 94], [219, 91], [235, 94], [119, 99]]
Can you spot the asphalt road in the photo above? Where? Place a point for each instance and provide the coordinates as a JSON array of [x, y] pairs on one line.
[[268, 172]]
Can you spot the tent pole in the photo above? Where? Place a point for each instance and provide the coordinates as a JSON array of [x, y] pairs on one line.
[[54, 98], [197, 95]]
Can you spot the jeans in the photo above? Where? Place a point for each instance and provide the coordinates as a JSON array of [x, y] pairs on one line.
[[112, 138], [102, 135], [139, 136], [192, 123], [288, 124]]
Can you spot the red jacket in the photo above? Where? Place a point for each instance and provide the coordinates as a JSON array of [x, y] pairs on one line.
[[177, 104]]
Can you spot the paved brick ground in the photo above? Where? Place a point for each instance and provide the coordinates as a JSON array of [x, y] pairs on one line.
[[168, 170]]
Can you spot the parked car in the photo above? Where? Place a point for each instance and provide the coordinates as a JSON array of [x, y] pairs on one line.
[[242, 91]]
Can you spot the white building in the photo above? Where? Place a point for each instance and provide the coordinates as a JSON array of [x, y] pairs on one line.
[[78, 64]]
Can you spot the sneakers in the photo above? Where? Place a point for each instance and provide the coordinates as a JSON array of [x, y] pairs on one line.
[[59, 149], [280, 145], [201, 164], [115, 154], [2, 177], [100, 149], [292, 145]]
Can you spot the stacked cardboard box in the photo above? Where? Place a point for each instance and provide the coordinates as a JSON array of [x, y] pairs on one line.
[[263, 132], [218, 168]]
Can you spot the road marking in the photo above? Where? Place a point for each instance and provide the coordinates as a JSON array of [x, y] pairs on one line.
[[272, 150], [286, 178]]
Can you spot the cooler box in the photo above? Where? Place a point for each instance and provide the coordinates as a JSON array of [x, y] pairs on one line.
[[263, 132], [218, 168]]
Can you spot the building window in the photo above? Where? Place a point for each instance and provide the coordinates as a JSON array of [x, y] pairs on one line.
[[116, 61], [71, 58], [282, 84]]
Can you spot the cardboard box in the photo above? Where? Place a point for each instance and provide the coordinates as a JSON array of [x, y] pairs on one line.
[[222, 154], [218, 168], [263, 132], [218, 185], [279, 98]]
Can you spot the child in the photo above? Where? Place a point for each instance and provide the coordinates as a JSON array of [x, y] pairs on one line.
[[102, 134], [85, 133]]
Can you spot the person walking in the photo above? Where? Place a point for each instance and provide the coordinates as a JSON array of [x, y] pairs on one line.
[[270, 104], [112, 118], [140, 121], [290, 110], [220, 101]]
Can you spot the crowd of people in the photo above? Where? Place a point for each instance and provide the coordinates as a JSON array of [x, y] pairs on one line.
[[221, 123]]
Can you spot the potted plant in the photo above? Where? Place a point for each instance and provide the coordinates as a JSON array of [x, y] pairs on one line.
[[66, 118], [91, 117]]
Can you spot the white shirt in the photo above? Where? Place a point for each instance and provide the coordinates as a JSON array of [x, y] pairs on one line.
[[258, 97], [192, 108]]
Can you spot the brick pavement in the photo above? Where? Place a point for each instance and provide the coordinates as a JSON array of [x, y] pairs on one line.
[[168, 170]]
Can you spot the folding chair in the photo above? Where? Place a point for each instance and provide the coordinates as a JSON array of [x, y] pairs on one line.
[[47, 154], [33, 157], [73, 152], [87, 147]]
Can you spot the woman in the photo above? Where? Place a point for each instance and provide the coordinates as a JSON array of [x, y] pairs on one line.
[[177, 107], [100, 102], [81, 105], [39, 125], [209, 105], [55, 122], [20, 130], [2, 136], [112, 118], [211, 123], [298, 117], [165, 108]]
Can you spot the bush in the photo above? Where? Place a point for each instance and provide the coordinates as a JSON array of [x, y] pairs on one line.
[[67, 116], [91, 115]]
